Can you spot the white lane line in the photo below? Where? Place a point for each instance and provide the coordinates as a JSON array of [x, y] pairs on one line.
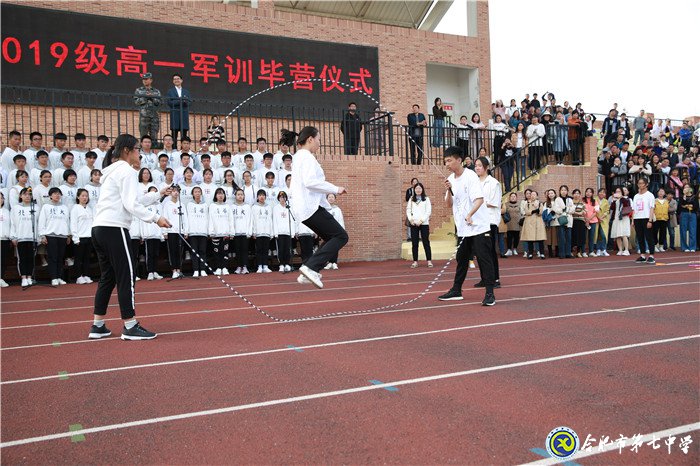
[[613, 446], [579, 267], [338, 343], [347, 391], [516, 285], [434, 307]]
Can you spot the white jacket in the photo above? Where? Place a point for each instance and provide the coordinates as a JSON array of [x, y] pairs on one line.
[[419, 211], [564, 208], [21, 223], [84, 176], [260, 176], [186, 193], [172, 213], [261, 224], [281, 223], [5, 223], [309, 186], [535, 133], [119, 198], [250, 194], [197, 219], [150, 230], [80, 222], [41, 196], [208, 191], [35, 176], [135, 228], [54, 220], [220, 220], [70, 194], [242, 219], [93, 194]]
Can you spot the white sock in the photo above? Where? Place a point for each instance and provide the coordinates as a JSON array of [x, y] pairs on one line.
[[98, 322], [129, 324]]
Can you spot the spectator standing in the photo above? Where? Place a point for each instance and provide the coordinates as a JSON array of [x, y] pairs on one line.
[[610, 126], [535, 133], [620, 209], [409, 196], [147, 98], [643, 205], [439, 115], [512, 208], [533, 231], [179, 100], [418, 211], [215, 133], [639, 125], [563, 208], [552, 225], [661, 223], [351, 126], [603, 215], [416, 124], [574, 135], [688, 207], [672, 220], [476, 135]]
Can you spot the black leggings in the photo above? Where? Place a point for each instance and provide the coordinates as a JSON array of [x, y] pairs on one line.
[[645, 236], [284, 253], [494, 255], [306, 244], [5, 251], [512, 239], [116, 268], [333, 235], [220, 248], [82, 257], [262, 250], [425, 238], [175, 250], [659, 235], [56, 248], [25, 258], [199, 249], [241, 248], [152, 251]]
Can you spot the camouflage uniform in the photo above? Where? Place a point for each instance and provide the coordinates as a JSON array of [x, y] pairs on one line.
[[147, 99]]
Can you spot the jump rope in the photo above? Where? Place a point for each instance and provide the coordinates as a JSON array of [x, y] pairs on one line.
[[329, 314]]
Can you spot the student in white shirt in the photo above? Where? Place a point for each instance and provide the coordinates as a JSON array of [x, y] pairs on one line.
[[284, 171], [338, 216], [54, 231], [204, 149], [229, 186], [173, 155], [492, 200], [176, 215], [79, 151], [101, 150], [418, 211], [185, 162], [149, 159], [248, 167], [197, 231], [261, 150], [261, 173], [535, 134], [5, 241], [208, 187], [158, 173], [40, 193], [248, 188], [241, 214], [66, 164], [225, 166], [145, 182], [278, 159], [465, 196], [308, 191], [643, 205], [41, 164], [81, 216], [85, 172], [169, 179], [24, 228], [21, 178], [35, 145], [284, 229], [93, 188], [185, 143], [59, 141], [8, 154], [239, 157], [20, 162], [205, 163], [69, 189], [220, 229], [261, 231], [271, 189], [186, 186], [152, 236]]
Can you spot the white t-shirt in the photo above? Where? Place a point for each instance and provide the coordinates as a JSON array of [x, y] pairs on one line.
[[642, 204], [465, 191], [492, 195]]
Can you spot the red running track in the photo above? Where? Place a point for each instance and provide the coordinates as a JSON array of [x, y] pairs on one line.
[[603, 346]]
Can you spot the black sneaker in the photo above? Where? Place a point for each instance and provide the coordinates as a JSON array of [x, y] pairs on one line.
[[641, 259], [451, 296], [137, 333], [479, 284], [651, 260], [497, 284], [99, 332], [489, 300]]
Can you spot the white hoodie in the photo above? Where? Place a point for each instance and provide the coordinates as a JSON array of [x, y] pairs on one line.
[[54, 220], [172, 213], [208, 190], [281, 221], [309, 186], [70, 193], [250, 194], [242, 219], [41, 196], [80, 222], [21, 223], [150, 230], [5, 223], [338, 215], [119, 198], [220, 220], [94, 194], [261, 224], [197, 219]]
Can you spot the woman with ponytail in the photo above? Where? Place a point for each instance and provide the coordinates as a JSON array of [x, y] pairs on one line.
[[310, 206], [118, 204]]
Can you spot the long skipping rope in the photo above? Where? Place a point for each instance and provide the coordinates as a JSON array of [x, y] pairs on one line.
[[329, 314]]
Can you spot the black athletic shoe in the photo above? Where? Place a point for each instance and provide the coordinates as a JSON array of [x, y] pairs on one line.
[[489, 300], [497, 284], [451, 296], [99, 332], [651, 260], [137, 333], [641, 259], [479, 284]]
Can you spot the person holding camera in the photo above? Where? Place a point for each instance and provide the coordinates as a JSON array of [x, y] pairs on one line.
[[147, 98]]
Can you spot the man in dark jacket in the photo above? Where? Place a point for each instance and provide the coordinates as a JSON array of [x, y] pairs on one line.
[[351, 126], [179, 103], [416, 123]]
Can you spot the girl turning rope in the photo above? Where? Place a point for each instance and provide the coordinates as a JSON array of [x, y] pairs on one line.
[[110, 236], [310, 206]]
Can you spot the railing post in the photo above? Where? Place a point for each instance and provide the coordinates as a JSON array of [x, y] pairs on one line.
[[391, 134]]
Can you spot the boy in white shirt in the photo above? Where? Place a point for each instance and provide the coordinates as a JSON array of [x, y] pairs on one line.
[[261, 173], [85, 171], [41, 164], [66, 164], [206, 165], [260, 152], [101, 150], [173, 155], [59, 141], [148, 158], [8, 155], [284, 171], [79, 151], [35, 145], [158, 173], [239, 157], [225, 165]]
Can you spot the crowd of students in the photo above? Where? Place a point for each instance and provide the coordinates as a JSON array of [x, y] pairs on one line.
[[224, 207]]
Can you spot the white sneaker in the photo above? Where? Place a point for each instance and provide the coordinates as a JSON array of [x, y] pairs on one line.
[[260, 269], [472, 265], [245, 271], [515, 252], [151, 277], [202, 273], [196, 274], [509, 253], [80, 281], [282, 268], [238, 271], [287, 268], [311, 276], [593, 254], [217, 272], [335, 266], [661, 249], [605, 253], [176, 275], [328, 266], [62, 282], [30, 281], [619, 253], [584, 254], [3, 283], [656, 249], [54, 282], [25, 283], [70, 262], [138, 279], [224, 271], [157, 276], [625, 253], [266, 269]]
